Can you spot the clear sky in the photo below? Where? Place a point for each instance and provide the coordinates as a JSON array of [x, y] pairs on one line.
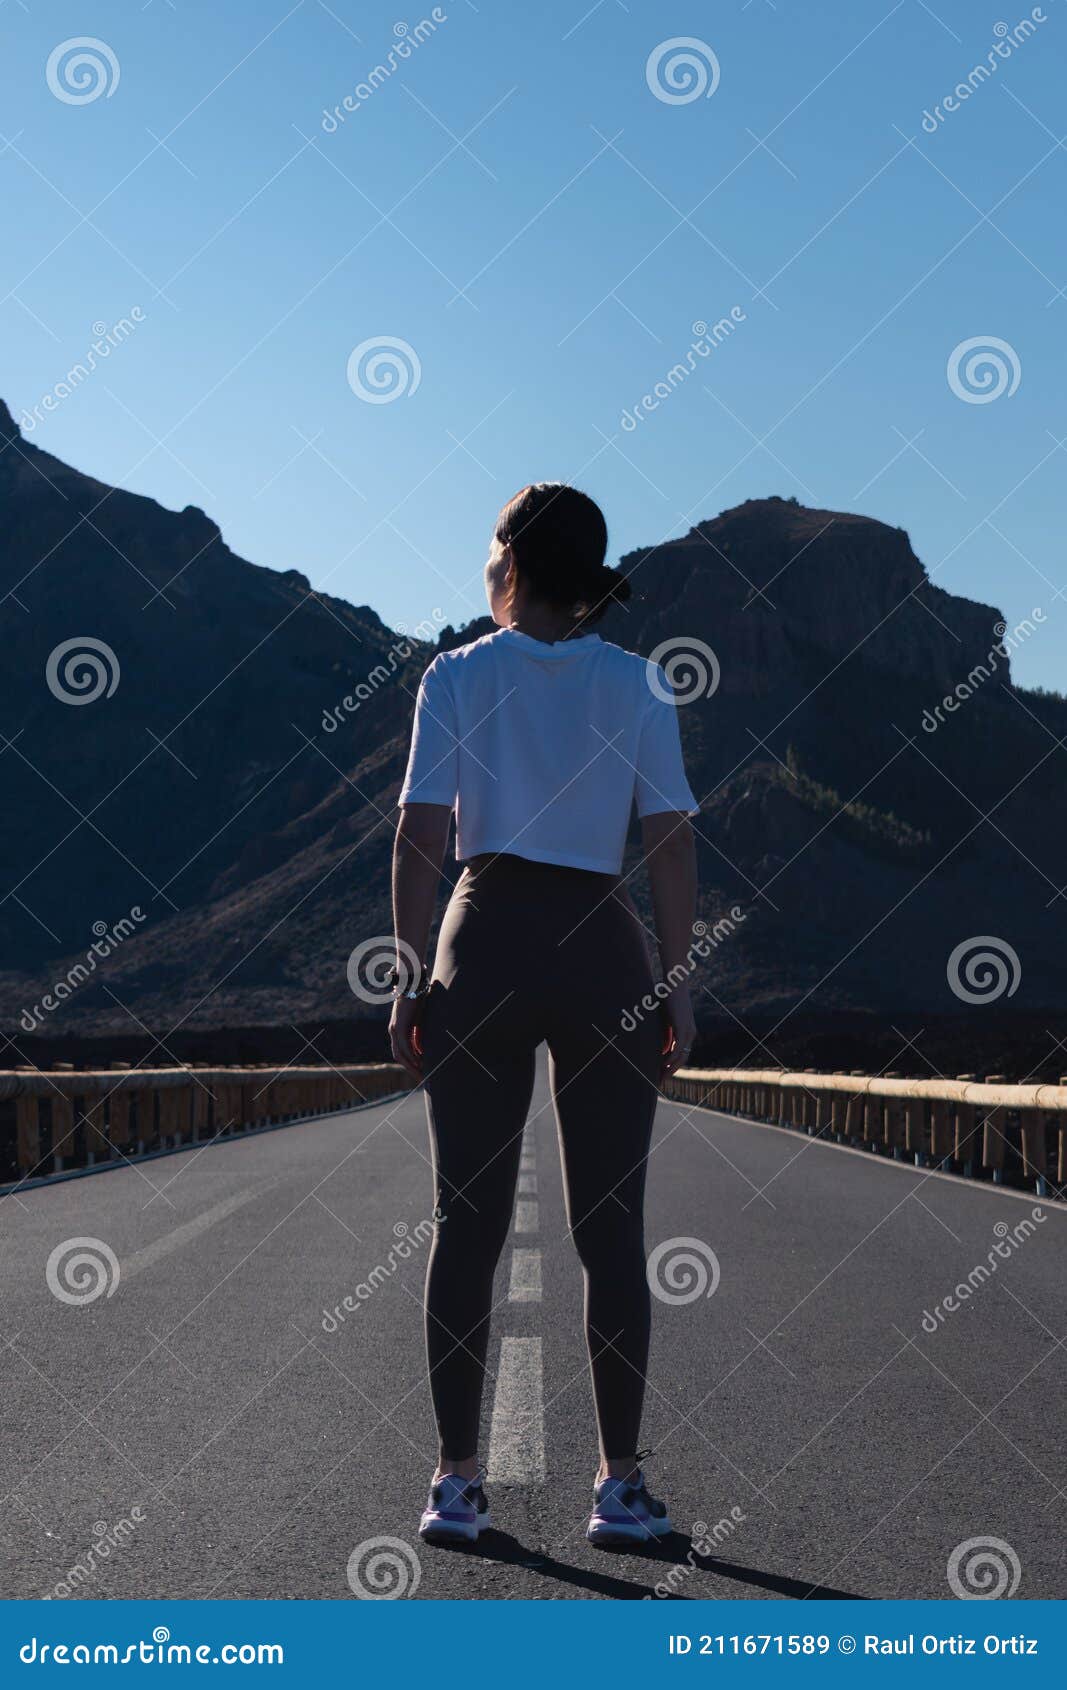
[[515, 201]]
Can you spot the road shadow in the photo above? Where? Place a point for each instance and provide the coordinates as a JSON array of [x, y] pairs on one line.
[[675, 1551], [502, 1547], [678, 1550]]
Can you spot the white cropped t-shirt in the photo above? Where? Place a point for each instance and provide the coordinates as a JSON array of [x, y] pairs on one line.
[[543, 749]]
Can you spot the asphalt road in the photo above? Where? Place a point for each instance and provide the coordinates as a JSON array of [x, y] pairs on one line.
[[213, 1431]]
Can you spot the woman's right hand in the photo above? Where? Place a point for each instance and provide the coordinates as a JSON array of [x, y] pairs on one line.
[[404, 1035], [680, 1030]]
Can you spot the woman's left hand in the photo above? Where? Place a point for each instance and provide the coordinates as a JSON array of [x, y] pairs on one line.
[[404, 1035], [679, 1032]]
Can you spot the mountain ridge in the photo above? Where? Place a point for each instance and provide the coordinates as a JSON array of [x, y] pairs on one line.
[[207, 790]]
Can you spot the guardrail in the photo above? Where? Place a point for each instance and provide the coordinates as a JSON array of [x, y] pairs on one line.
[[60, 1118], [1016, 1134]]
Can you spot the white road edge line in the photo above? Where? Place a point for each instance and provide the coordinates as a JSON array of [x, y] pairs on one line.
[[154, 1252], [923, 1174]]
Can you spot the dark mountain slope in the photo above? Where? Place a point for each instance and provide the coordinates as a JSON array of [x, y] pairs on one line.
[[207, 791], [207, 766]]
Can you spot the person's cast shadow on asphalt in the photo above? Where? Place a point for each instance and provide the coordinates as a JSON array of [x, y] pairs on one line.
[[676, 1550]]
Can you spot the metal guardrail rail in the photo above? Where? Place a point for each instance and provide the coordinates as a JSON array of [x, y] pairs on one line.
[[53, 1120], [1015, 1134]]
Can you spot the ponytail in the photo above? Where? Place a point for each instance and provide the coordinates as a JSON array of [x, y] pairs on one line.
[[558, 540]]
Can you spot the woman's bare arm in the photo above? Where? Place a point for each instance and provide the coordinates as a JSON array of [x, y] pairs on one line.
[[418, 852], [670, 855]]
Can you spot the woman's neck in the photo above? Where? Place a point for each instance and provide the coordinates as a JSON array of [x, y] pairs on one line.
[[542, 623]]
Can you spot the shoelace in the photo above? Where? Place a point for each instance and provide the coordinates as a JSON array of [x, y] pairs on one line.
[[642, 1490]]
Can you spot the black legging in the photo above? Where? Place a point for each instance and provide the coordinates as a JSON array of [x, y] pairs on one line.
[[532, 953]]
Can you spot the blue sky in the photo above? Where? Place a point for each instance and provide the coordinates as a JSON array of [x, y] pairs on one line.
[[516, 204]]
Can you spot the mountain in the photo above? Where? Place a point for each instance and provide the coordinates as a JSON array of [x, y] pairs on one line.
[[203, 788], [217, 784]]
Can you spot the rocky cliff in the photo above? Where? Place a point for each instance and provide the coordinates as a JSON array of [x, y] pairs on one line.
[[226, 788]]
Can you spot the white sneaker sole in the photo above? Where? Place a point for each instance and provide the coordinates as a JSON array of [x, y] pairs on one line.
[[624, 1531], [435, 1530]]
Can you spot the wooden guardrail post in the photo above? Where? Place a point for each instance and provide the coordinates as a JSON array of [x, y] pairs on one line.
[[994, 1134], [1033, 1141], [966, 1125], [169, 1117], [893, 1123], [27, 1135], [915, 1134], [229, 1111], [119, 1122], [854, 1109], [838, 1106], [97, 1147], [118, 1112], [62, 1122], [202, 1099], [143, 1103], [941, 1139], [963, 1120], [53, 1120], [810, 1108], [872, 1121]]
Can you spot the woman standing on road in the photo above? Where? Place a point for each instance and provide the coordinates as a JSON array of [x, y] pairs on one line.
[[540, 736]]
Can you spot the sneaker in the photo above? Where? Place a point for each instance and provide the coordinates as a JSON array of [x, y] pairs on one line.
[[457, 1510], [625, 1512]]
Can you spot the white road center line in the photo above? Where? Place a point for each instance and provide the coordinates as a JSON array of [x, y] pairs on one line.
[[517, 1435], [525, 1286], [526, 1217], [184, 1234]]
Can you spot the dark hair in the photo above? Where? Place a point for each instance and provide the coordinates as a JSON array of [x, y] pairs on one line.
[[558, 539]]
